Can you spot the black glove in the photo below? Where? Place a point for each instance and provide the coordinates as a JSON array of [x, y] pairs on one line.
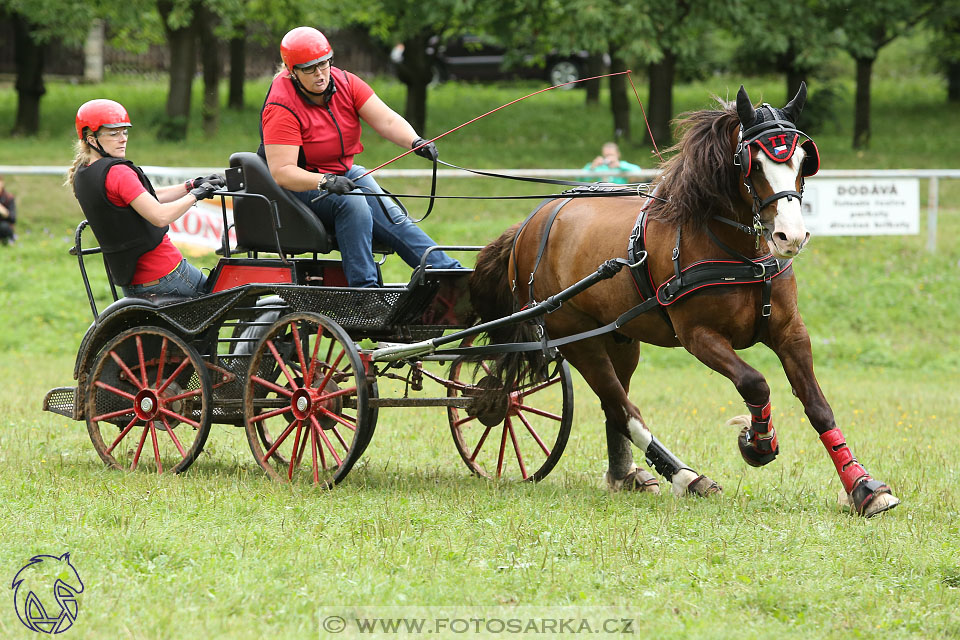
[[205, 190], [214, 178], [338, 185], [428, 150]]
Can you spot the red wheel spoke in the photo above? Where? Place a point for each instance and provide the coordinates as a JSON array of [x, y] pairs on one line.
[[293, 454], [296, 341], [143, 362], [329, 373], [303, 447], [272, 386], [343, 442], [156, 446], [313, 452], [462, 421], [173, 436], [326, 441], [163, 358], [112, 414], [486, 367], [123, 433], [337, 393], [177, 416], [331, 414], [270, 414], [533, 433], [541, 412], [313, 357], [280, 440], [516, 447], [282, 365], [136, 457], [181, 396], [539, 387], [134, 380], [480, 444], [503, 447], [107, 387], [173, 376]]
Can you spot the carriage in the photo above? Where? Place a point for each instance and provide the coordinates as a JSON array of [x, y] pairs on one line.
[[275, 348], [283, 349]]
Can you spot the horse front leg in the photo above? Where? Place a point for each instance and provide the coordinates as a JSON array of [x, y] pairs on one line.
[[863, 494], [757, 440]]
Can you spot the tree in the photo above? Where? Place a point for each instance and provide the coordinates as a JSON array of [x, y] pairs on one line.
[[36, 23], [945, 45], [865, 33], [412, 25]]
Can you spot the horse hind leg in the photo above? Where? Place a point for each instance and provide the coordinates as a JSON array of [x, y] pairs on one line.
[[623, 474]]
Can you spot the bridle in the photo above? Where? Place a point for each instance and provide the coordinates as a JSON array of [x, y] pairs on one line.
[[772, 129]]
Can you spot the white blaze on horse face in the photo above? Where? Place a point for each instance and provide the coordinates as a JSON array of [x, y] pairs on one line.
[[789, 233]]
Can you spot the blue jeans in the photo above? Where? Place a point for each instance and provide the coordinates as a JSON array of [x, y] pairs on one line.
[[357, 221], [186, 280]]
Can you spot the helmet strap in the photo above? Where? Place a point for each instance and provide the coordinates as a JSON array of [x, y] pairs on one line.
[[98, 147], [326, 94]]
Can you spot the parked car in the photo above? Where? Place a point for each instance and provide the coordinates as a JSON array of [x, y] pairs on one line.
[[472, 57]]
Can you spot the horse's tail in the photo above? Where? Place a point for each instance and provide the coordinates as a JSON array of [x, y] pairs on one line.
[[491, 295]]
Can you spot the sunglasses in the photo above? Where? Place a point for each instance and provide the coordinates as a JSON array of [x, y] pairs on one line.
[[319, 66], [115, 134]]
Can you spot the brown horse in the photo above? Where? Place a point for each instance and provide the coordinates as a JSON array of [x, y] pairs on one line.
[[736, 178]]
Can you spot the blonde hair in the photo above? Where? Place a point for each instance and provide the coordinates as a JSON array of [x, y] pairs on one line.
[[84, 154]]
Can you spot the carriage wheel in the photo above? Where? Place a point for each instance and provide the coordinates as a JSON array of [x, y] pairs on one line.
[[316, 411], [148, 384], [519, 435]]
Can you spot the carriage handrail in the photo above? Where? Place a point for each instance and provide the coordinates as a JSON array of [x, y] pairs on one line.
[[78, 250], [606, 270], [274, 219], [420, 275]]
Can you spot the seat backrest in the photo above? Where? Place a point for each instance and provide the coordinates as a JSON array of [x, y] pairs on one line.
[[300, 229]]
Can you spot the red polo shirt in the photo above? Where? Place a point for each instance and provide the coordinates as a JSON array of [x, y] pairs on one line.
[[330, 134]]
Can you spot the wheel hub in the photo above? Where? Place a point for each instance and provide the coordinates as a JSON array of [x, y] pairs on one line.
[[146, 404], [302, 404], [490, 404]]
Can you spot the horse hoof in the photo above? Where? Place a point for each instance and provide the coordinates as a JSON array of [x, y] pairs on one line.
[[755, 452], [868, 499], [637, 479], [703, 487]]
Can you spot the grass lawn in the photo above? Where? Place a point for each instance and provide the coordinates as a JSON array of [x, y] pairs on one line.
[[221, 551]]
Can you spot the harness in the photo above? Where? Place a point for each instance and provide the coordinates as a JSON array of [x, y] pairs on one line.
[[739, 270]]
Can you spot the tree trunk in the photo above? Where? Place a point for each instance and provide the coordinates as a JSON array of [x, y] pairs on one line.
[[182, 42], [416, 72], [28, 58], [619, 104], [205, 20], [953, 82], [238, 67], [594, 68], [660, 102], [93, 53], [861, 111]]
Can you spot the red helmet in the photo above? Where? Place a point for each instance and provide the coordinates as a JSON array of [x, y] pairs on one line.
[[304, 46], [101, 113]]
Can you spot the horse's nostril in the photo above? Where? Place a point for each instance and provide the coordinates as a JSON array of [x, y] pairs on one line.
[[780, 236]]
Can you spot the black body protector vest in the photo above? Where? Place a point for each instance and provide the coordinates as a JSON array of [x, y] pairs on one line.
[[123, 234]]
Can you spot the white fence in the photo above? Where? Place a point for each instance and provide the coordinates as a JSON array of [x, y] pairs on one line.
[[172, 174]]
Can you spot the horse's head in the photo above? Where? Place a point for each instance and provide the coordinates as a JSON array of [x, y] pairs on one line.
[[773, 167]]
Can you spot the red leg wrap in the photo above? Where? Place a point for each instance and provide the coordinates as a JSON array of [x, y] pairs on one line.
[[758, 443], [849, 470]]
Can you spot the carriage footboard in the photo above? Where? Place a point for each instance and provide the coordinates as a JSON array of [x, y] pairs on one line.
[[63, 401]]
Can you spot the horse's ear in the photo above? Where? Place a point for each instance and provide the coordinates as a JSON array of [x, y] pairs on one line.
[[745, 109], [795, 106]]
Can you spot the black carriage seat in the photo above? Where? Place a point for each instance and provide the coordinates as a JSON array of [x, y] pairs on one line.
[[300, 229]]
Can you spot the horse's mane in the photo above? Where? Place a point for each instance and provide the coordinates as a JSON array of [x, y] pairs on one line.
[[700, 179]]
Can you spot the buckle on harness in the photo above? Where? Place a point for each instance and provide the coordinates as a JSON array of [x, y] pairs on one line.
[[766, 309], [763, 270]]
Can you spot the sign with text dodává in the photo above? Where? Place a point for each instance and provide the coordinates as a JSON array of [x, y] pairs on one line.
[[862, 207]]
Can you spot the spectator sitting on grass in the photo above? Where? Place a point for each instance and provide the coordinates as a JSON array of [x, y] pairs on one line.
[[8, 215]]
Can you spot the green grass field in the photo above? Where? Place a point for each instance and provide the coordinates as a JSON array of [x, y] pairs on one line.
[[223, 552]]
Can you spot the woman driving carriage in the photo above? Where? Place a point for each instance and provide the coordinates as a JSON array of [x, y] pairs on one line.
[[128, 216], [310, 126]]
